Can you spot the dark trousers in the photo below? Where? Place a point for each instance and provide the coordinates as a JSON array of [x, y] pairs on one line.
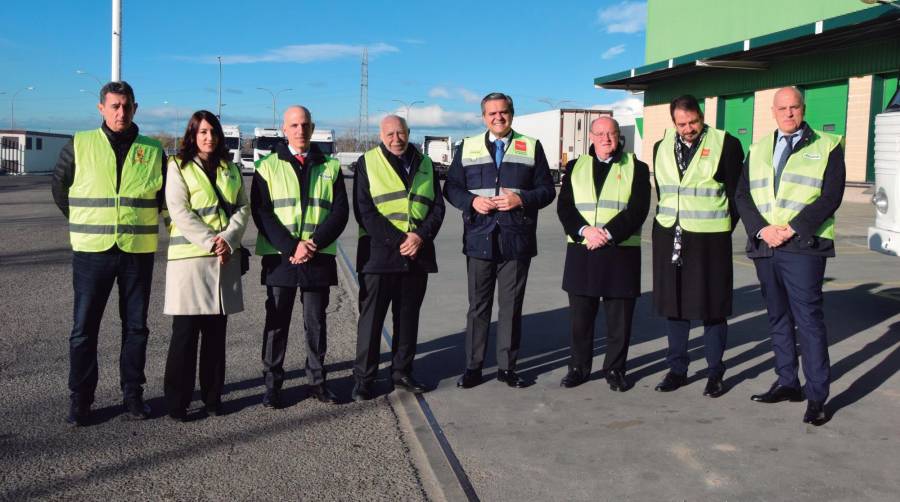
[[619, 313], [279, 308], [181, 363], [404, 293], [511, 276], [791, 284], [93, 275], [715, 334]]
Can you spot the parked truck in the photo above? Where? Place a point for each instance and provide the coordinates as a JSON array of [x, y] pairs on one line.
[[324, 140], [440, 150], [563, 133], [264, 140], [884, 237], [233, 142]]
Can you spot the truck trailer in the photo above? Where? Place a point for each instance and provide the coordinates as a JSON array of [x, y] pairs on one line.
[[562, 132], [884, 237]]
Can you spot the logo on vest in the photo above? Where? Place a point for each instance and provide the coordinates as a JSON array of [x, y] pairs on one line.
[[812, 156], [704, 152], [520, 146], [327, 176], [139, 155]]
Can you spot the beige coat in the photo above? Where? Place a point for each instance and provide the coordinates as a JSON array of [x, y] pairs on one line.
[[201, 286]]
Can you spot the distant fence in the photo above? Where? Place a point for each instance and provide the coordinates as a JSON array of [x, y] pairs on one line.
[[12, 156]]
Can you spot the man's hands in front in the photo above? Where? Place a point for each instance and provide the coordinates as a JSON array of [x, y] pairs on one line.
[[776, 235], [304, 252], [509, 200], [411, 245], [596, 237]]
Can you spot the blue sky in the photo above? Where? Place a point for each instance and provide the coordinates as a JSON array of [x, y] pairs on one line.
[[446, 54]]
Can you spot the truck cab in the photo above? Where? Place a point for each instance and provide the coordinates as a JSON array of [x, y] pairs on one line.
[[884, 237]]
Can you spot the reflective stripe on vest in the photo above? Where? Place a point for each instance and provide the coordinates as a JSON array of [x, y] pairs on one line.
[[614, 194], [520, 150], [101, 216], [696, 200], [284, 189], [801, 179], [204, 203], [405, 210]]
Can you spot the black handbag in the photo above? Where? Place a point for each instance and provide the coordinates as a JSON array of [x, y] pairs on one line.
[[229, 211]]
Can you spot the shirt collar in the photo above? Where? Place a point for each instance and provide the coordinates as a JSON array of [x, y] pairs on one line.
[[505, 139], [295, 152]]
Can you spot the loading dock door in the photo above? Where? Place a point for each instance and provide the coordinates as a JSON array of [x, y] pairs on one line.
[[737, 118], [826, 107]]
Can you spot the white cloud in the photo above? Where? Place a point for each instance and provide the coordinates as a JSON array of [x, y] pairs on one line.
[[624, 17], [298, 54], [468, 96], [439, 92], [624, 110], [432, 116], [613, 51]]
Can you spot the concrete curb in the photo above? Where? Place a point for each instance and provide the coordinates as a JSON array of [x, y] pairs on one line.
[[435, 472]]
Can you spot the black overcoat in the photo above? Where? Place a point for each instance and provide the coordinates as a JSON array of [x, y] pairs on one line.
[[611, 271], [702, 287]]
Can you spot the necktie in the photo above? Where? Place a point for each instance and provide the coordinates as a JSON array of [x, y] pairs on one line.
[[498, 152], [300, 158], [785, 154]]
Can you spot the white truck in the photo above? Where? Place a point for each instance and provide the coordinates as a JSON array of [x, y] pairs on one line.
[[264, 140], [233, 142], [324, 140], [884, 237], [440, 150], [562, 132], [348, 162]]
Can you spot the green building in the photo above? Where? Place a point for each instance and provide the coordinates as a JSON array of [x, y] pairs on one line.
[[844, 55]]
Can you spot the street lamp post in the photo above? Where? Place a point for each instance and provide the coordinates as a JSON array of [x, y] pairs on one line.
[[12, 106], [554, 104], [274, 94], [86, 74], [219, 115], [408, 106], [175, 136]]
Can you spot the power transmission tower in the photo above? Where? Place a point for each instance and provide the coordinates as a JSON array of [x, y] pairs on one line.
[[362, 131]]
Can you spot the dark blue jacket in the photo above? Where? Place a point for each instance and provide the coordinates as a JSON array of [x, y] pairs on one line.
[[501, 235]]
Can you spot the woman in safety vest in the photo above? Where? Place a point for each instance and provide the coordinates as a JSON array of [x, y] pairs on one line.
[[209, 212]]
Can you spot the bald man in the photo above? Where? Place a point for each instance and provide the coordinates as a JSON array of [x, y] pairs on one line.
[[603, 201], [399, 209], [299, 204], [792, 184]]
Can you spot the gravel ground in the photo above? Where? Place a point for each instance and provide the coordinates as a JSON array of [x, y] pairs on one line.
[[306, 451]]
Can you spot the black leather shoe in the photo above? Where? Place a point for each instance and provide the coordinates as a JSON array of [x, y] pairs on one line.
[[362, 391], [178, 415], [272, 399], [815, 413], [214, 409], [407, 382], [511, 378], [469, 379], [617, 381], [672, 381], [714, 387], [323, 394], [573, 378], [778, 393], [79, 414], [136, 409]]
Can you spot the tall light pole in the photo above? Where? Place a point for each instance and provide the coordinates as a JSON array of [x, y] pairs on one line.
[[175, 137], [408, 106], [12, 106], [219, 115], [116, 68], [274, 94], [91, 75]]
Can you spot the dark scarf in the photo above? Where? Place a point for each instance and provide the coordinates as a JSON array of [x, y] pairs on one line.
[[684, 153]]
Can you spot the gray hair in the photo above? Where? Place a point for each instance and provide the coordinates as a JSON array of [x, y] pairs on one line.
[[607, 117], [398, 117], [495, 96], [121, 87]]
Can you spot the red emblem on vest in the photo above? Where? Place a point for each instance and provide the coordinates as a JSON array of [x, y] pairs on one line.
[[704, 152], [521, 146]]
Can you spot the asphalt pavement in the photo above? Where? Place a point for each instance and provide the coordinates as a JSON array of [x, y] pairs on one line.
[[538, 443]]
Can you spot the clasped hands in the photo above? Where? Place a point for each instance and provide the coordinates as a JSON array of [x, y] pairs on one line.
[[505, 202], [776, 235], [221, 249], [595, 237], [303, 253]]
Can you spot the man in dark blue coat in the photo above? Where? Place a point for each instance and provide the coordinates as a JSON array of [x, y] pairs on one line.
[[499, 180]]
